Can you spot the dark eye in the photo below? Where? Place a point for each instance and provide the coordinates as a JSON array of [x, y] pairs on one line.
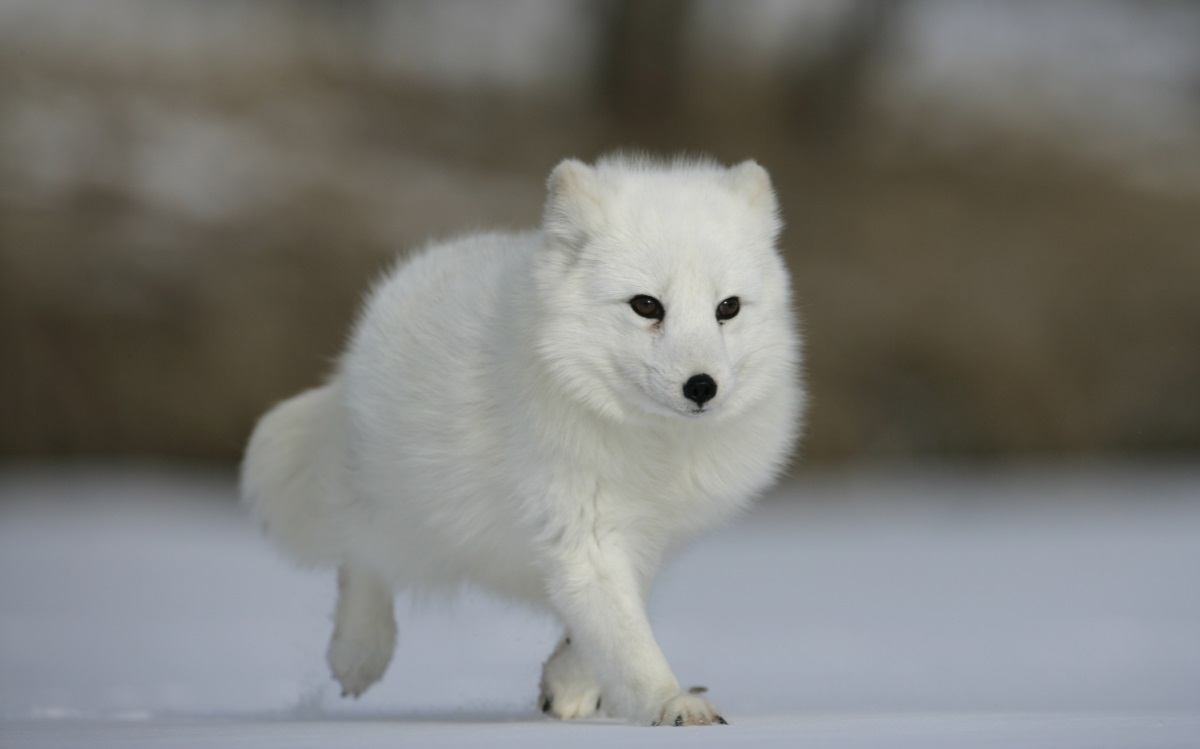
[[728, 308], [647, 306]]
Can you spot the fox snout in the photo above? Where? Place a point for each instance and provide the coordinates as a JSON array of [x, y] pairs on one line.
[[700, 389]]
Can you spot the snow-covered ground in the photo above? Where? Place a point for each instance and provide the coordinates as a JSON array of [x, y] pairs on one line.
[[1048, 607]]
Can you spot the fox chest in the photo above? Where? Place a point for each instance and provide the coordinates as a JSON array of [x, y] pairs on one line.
[[664, 483]]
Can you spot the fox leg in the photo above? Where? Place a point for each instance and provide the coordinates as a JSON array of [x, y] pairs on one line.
[[569, 688], [598, 593], [364, 633]]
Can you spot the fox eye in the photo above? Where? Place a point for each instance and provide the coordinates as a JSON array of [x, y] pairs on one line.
[[647, 306], [728, 308]]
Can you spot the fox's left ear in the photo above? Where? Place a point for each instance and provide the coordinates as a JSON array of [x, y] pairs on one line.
[[752, 181]]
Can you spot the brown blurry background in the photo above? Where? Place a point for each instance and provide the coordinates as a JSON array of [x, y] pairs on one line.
[[993, 207]]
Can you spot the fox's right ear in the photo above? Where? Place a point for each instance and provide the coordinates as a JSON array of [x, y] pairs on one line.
[[574, 208]]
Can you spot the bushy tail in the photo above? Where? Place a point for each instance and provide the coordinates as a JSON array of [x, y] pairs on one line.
[[292, 475]]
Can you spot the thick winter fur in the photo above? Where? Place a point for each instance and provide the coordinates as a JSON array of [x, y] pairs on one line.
[[503, 417]]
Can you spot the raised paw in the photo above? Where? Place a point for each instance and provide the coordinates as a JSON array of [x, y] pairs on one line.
[[688, 709], [364, 631], [569, 689], [358, 663]]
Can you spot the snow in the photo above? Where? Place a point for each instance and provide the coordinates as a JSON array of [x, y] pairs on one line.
[[938, 608]]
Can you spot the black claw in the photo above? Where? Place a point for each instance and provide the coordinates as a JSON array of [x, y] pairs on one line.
[[655, 723], [547, 704], [345, 694], [598, 701], [722, 721], [679, 720], [567, 640], [697, 690]]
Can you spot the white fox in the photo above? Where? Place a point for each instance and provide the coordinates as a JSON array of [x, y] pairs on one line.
[[549, 415]]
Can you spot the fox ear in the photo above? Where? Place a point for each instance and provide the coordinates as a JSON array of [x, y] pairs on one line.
[[574, 207], [752, 181]]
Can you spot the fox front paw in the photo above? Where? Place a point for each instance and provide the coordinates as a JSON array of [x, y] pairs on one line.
[[688, 709], [571, 704], [569, 689]]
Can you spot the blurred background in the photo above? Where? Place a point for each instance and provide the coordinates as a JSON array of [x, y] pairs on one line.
[[993, 208]]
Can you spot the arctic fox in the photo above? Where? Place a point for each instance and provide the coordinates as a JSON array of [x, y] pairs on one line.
[[549, 415]]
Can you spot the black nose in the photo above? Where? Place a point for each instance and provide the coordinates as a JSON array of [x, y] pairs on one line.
[[700, 388]]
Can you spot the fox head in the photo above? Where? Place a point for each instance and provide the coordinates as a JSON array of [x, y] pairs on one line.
[[660, 290]]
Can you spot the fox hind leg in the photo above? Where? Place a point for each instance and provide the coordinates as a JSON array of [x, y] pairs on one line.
[[364, 633]]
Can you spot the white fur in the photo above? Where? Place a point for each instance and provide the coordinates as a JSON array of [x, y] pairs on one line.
[[569, 687], [503, 418]]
